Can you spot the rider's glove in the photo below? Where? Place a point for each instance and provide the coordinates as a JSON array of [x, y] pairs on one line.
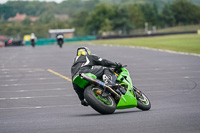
[[118, 65]]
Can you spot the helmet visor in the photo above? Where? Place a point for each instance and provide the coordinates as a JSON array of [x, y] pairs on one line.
[[83, 51]]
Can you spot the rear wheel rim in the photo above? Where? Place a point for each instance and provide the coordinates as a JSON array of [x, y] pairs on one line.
[[108, 101]]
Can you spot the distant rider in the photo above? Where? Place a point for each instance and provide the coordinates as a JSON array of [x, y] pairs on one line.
[[60, 38], [33, 39], [84, 62]]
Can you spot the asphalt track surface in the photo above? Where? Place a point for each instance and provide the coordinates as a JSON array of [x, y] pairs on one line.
[[36, 95]]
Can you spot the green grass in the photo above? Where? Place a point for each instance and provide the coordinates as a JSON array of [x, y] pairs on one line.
[[189, 43]]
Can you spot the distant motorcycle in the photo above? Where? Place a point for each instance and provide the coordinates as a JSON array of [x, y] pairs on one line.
[[33, 42], [60, 42], [33, 39], [106, 99]]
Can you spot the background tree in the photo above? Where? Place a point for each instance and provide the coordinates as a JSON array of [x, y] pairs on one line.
[[105, 26], [136, 15], [120, 20], [167, 16], [46, 17], [26, 21], [150, 13], [6, 11], [98, 16], [184, 12], [79, 21]]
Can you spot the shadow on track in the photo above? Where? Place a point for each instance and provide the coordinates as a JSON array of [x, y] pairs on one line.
[[116, 113]]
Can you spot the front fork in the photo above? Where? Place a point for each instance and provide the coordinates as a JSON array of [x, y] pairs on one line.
[[137, 93]]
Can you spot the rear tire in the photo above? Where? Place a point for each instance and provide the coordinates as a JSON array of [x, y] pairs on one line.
[[102, 105]]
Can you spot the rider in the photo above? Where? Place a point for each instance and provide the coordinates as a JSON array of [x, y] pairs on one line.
[[60, 37], [33, 39], [84, 62]]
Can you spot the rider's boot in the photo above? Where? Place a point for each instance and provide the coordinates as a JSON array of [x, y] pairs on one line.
[[84, 102]]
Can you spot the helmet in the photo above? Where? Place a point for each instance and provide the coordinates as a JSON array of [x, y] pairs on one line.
[[83, 51]]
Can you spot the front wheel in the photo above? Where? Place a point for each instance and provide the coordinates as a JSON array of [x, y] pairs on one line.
[[143, 102], [60, 44], [33, 44], [103, 105]]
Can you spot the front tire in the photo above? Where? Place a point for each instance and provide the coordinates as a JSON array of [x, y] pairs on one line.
[[60, 44], [143, 101], [97, 102]]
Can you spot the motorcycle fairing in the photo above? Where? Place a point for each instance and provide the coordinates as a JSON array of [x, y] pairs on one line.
[[128, 100], [81, 82]]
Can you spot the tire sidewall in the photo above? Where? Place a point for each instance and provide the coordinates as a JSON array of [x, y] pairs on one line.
[[96, 104], [142, 106]]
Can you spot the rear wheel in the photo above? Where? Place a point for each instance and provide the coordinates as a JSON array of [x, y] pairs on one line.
[[143, 102], [103, 105]]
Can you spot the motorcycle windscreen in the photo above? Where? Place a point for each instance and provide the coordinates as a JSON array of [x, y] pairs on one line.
[[127, 101]]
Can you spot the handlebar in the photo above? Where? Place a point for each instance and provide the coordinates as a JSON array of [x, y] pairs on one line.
[[118, 70], [125, 66]]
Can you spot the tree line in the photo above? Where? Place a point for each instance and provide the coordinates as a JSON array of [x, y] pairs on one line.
[[97, 16]]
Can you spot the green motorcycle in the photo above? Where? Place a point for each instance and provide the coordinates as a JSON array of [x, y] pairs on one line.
[[106, 99]]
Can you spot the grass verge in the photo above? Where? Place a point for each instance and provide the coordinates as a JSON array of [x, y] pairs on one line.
[[189, 43]]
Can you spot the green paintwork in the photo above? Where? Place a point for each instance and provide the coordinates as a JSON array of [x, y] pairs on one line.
[[128, 100], [81, 82], [126, 74], [103, 100]]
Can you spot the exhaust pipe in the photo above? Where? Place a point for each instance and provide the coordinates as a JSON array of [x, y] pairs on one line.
[[99, 83]]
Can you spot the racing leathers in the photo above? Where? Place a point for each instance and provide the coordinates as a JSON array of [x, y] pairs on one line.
[[60, 38], [85, 64]]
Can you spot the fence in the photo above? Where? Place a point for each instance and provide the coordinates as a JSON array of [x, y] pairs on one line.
[[53, 41]]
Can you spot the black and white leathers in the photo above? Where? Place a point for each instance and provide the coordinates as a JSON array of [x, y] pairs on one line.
[[86, 62]]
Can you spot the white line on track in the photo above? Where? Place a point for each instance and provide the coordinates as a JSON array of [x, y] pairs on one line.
[[16, 98], [40, 107], [32, 90], [22, 69], [183, 77], [158, 84], [168, 72], [6, 85], [163, 78], [25, 79], [27, 75]]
